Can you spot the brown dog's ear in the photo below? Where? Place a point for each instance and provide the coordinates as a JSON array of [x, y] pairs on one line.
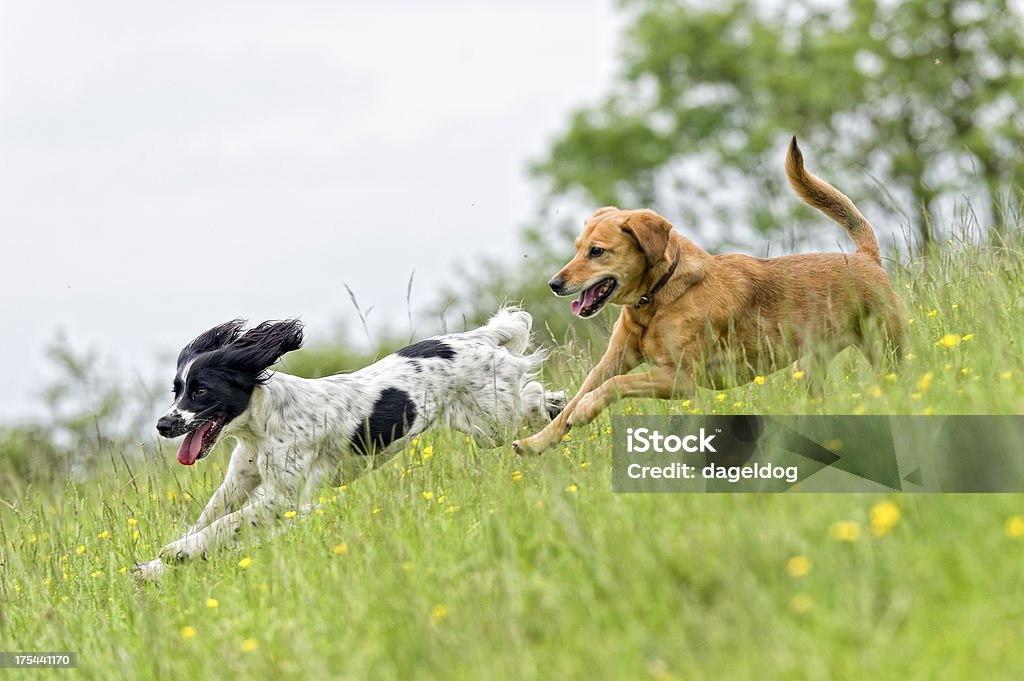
[[650, 231]]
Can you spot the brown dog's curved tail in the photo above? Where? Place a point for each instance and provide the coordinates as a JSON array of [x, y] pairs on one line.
[[819, 194]]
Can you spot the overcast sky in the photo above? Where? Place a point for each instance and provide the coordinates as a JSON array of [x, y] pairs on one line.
[[165, 167]]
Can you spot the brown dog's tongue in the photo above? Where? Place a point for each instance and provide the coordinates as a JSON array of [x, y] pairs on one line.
[[586, 299], [190, 447]]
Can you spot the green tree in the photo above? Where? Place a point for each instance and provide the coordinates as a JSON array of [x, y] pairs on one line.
[[915, 101]]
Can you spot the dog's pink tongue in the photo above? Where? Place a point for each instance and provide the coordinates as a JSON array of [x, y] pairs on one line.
[[585, 300], [190, 447]]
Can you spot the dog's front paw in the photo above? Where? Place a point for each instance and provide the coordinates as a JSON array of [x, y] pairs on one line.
[[183, 549], [528, 446], [149, 571]]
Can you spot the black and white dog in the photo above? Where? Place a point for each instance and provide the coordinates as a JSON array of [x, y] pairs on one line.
[[293, 432]]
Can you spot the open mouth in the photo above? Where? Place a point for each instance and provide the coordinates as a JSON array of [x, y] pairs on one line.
[[199, 442], [593, 298]]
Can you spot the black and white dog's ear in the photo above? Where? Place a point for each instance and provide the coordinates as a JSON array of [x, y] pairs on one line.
[[261, 346], [215, 338]]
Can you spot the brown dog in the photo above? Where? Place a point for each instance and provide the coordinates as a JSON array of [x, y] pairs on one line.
[[719, 320]]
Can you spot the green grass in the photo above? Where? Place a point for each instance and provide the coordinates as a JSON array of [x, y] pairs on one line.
[[532, 569]]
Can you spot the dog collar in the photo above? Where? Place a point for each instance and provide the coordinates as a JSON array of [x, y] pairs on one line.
[[646, 298]]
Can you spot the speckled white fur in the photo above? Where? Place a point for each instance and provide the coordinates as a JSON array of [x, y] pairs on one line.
[[297, 431]]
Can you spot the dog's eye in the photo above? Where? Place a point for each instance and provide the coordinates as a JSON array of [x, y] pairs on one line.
[[596, 251], [199, 392]]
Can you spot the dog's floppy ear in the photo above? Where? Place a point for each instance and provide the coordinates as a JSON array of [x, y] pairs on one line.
[[650, 231], [215, 338], [261, 346]]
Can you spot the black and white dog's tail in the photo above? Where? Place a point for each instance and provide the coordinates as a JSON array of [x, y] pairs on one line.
[[510, 328]]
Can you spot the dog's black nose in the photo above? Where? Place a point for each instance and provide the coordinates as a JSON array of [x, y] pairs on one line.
[[169, 425], [557, 285]]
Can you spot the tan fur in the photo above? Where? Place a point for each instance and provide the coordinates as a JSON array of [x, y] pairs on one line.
[[722, 319]]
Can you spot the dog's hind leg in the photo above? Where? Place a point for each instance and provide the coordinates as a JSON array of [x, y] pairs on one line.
[[555, 401], [541, 406]]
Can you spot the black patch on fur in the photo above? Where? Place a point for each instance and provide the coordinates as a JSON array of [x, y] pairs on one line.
[[392, 414], [427, 349]]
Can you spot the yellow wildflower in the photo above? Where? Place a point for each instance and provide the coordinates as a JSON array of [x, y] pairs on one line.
[[428, 495], [1014, 527], [884, 517], [341, 549], [290, 514], [949, 341], [925, 382], [81, 549], [438, 614], [428, 451], [845, 530], [245, 562], [797, 375], [132, 522], [517, 476], [249, 645], [572, 489], [758, 380], [798, 566], [801, 603], [188, 632]]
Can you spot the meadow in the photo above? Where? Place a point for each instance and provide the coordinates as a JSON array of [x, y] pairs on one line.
[[457, 563]]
